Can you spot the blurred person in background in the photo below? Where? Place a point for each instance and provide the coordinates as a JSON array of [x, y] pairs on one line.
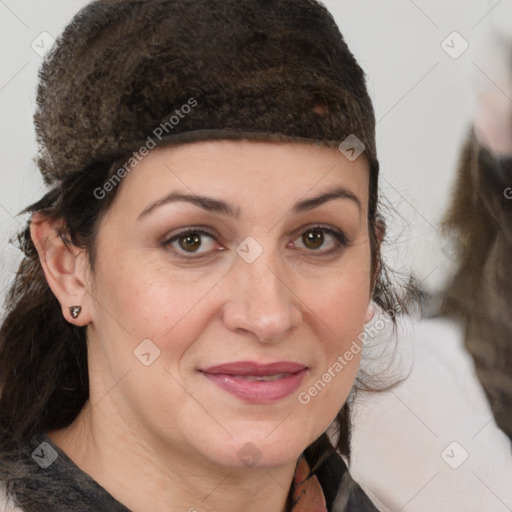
[[454, 409]]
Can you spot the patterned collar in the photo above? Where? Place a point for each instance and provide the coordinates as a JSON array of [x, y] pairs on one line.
[[327, 487], [324, 484]]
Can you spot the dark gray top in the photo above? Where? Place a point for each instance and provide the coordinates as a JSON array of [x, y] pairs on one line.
[[52, 482]]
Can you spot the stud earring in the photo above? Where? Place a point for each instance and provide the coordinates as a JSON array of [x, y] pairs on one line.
[[75, 311]]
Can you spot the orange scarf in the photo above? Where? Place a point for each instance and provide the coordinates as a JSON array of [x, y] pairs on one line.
[[308, 495]]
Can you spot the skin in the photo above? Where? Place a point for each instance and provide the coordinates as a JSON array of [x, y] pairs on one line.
[[493, 121], [163, 435]]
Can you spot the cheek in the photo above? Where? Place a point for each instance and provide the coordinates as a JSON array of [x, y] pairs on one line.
[[344, 314], [342, 300], [340, 312], [143, 300]]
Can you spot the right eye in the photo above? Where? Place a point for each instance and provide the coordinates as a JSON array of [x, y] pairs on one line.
[[190, 241]]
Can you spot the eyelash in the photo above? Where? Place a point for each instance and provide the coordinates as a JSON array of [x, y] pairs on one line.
[[341, 241]]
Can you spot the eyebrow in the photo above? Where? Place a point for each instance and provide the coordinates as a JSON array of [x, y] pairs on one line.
[[212, 204]]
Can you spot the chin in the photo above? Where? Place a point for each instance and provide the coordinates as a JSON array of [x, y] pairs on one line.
[[259, 450]]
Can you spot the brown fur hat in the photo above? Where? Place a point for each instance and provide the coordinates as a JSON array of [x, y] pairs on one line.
[[127, 71]]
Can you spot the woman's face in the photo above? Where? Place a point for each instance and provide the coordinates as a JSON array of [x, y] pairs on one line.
[[215, 260]]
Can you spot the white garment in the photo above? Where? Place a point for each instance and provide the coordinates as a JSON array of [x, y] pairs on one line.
[[410, 444], [6, 505]]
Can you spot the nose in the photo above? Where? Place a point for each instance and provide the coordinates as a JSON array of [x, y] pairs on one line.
[[261, 301]]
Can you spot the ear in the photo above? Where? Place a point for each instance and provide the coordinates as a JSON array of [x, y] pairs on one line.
[[65, 266], [370, 312]]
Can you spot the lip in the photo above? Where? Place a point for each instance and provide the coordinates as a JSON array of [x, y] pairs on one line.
[[256, 369], [232, 377]]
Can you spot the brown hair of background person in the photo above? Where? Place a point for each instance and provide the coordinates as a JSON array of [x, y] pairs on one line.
[[480, 220]]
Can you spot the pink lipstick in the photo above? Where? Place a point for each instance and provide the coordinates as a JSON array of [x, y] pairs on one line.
[[258, 383]]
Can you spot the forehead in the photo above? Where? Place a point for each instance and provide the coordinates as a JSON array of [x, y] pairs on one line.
[[245, 171]]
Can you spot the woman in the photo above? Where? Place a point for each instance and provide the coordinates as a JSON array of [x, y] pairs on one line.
[[186, 324]]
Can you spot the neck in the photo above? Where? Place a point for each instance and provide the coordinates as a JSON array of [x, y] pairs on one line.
[[150, 475]]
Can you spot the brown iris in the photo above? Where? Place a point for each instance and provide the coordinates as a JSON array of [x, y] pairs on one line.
[[313, 238], [190, 242]]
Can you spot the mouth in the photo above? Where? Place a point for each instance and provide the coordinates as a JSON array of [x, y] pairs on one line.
[[257, 383]]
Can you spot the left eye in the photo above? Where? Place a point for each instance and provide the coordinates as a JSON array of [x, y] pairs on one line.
[[314, 238]]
